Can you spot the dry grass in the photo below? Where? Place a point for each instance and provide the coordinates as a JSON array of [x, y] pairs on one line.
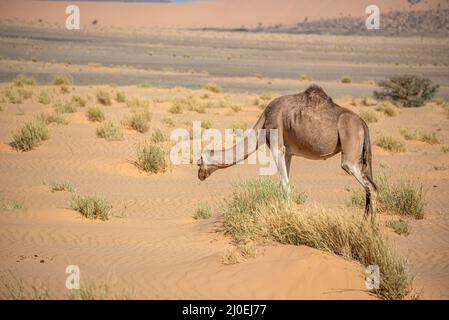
[[409, 134], [212, 87], [369, 116], [202, 211], [110, 131], [391, 144], [388, 109], [103, 97], [95, 114], [30, 136], [50, 118], [17, 95], [139, 120], [61, 186], [239, 254], [401, 226], [65, 107], [429, 137], [403, 197], [91, 207], [22, 80], [257, 211], [61, 80], [78, 101], [346, 79], [120, 97], [158, 136], [168, 122], [135, 102], [45, 97], [441, 167], [152, 158]]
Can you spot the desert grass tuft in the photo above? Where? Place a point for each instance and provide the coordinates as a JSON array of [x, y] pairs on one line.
[[17, 95], [135, 102], [152, 158], [103, 97], [401, 226], [61, 186], [30, 136], [445, 149], [158, 136], [65, 107], [369, 116], [346, 79], [110, 131], [95, 114], [403, 197], [256, 211], [430, 138], [441, 167], [409, 134], [212, 87], [388, 109], [120, 96], [139, 120], [22, 80], [168, 122], [91, 207], [391, 144], [61, 80], [45, 97], [52, 117], [202, 211], [79, 101]]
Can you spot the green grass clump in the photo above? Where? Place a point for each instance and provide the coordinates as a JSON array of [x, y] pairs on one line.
[[346, 79], [391, 144], [110, 131], [369, 116], [158, 136], [139, 120], [50, 118], [103, 97], [202, 211], [120, 96], [22, 80], [45, 97], [95, 114], [65, 107], [63, 80], [257, 211], [401, 226], [152, 158], [91, 207], [212, 87], [30, 136], [61, 186], [402, 197]]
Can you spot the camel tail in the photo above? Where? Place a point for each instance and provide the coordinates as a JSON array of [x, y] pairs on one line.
[[366, 156]]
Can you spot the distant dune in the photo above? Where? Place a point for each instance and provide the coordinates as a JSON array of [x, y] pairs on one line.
[[201, 14]]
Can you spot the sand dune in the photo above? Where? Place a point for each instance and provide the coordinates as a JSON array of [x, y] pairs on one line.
[[218, 13]]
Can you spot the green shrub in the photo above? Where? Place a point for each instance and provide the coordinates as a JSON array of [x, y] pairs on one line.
[[65, 89], [17, 95], [95, 114], [391, 144], [202, 211], [110, 131], [30, 136], [158, 136], [45, 97], [61, 80], [135, 102], [369, 116], [65, 107], [406, 90], [120, 96], [346, 79], [91, 207], [402, 197], [152, 158], [78, 101], [103, 97]]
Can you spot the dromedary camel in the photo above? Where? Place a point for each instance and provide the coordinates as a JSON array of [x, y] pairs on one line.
[[312, 126]]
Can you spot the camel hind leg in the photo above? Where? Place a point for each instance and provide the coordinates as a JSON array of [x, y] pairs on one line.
[[352, 138]]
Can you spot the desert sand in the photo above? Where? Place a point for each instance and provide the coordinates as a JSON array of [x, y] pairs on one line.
[[152, 247]]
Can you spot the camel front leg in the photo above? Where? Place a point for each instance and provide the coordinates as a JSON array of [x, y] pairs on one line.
[[279, 156]]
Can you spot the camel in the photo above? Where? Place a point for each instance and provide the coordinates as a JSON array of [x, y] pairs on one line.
[[312, 126]]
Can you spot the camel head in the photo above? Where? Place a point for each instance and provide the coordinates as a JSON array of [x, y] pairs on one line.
[[205, 169]]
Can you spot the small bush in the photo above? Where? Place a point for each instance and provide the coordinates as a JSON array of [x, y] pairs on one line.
[[152, 158], [401, 197], [441, 167], [409, 134], [45, 97], [158, 136], [176, 109], [369, 116], [212, 87], [346, 79], [91, 207], [391, 144], [202, 211], [95, 114], [445, 149], [407, 90], [23, 80], [65, 89], [78, 101], [238, 254], [65, 107], [61, 80], [401, 226], [168, 122], [120, 96], [104, 97], [61, 186], [50, 118], [236, 108], [139, 120], [30, 136], [17, 95], [135, 102], [110, 131]]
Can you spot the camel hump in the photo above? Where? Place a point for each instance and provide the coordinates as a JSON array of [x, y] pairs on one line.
[[315, 95]]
